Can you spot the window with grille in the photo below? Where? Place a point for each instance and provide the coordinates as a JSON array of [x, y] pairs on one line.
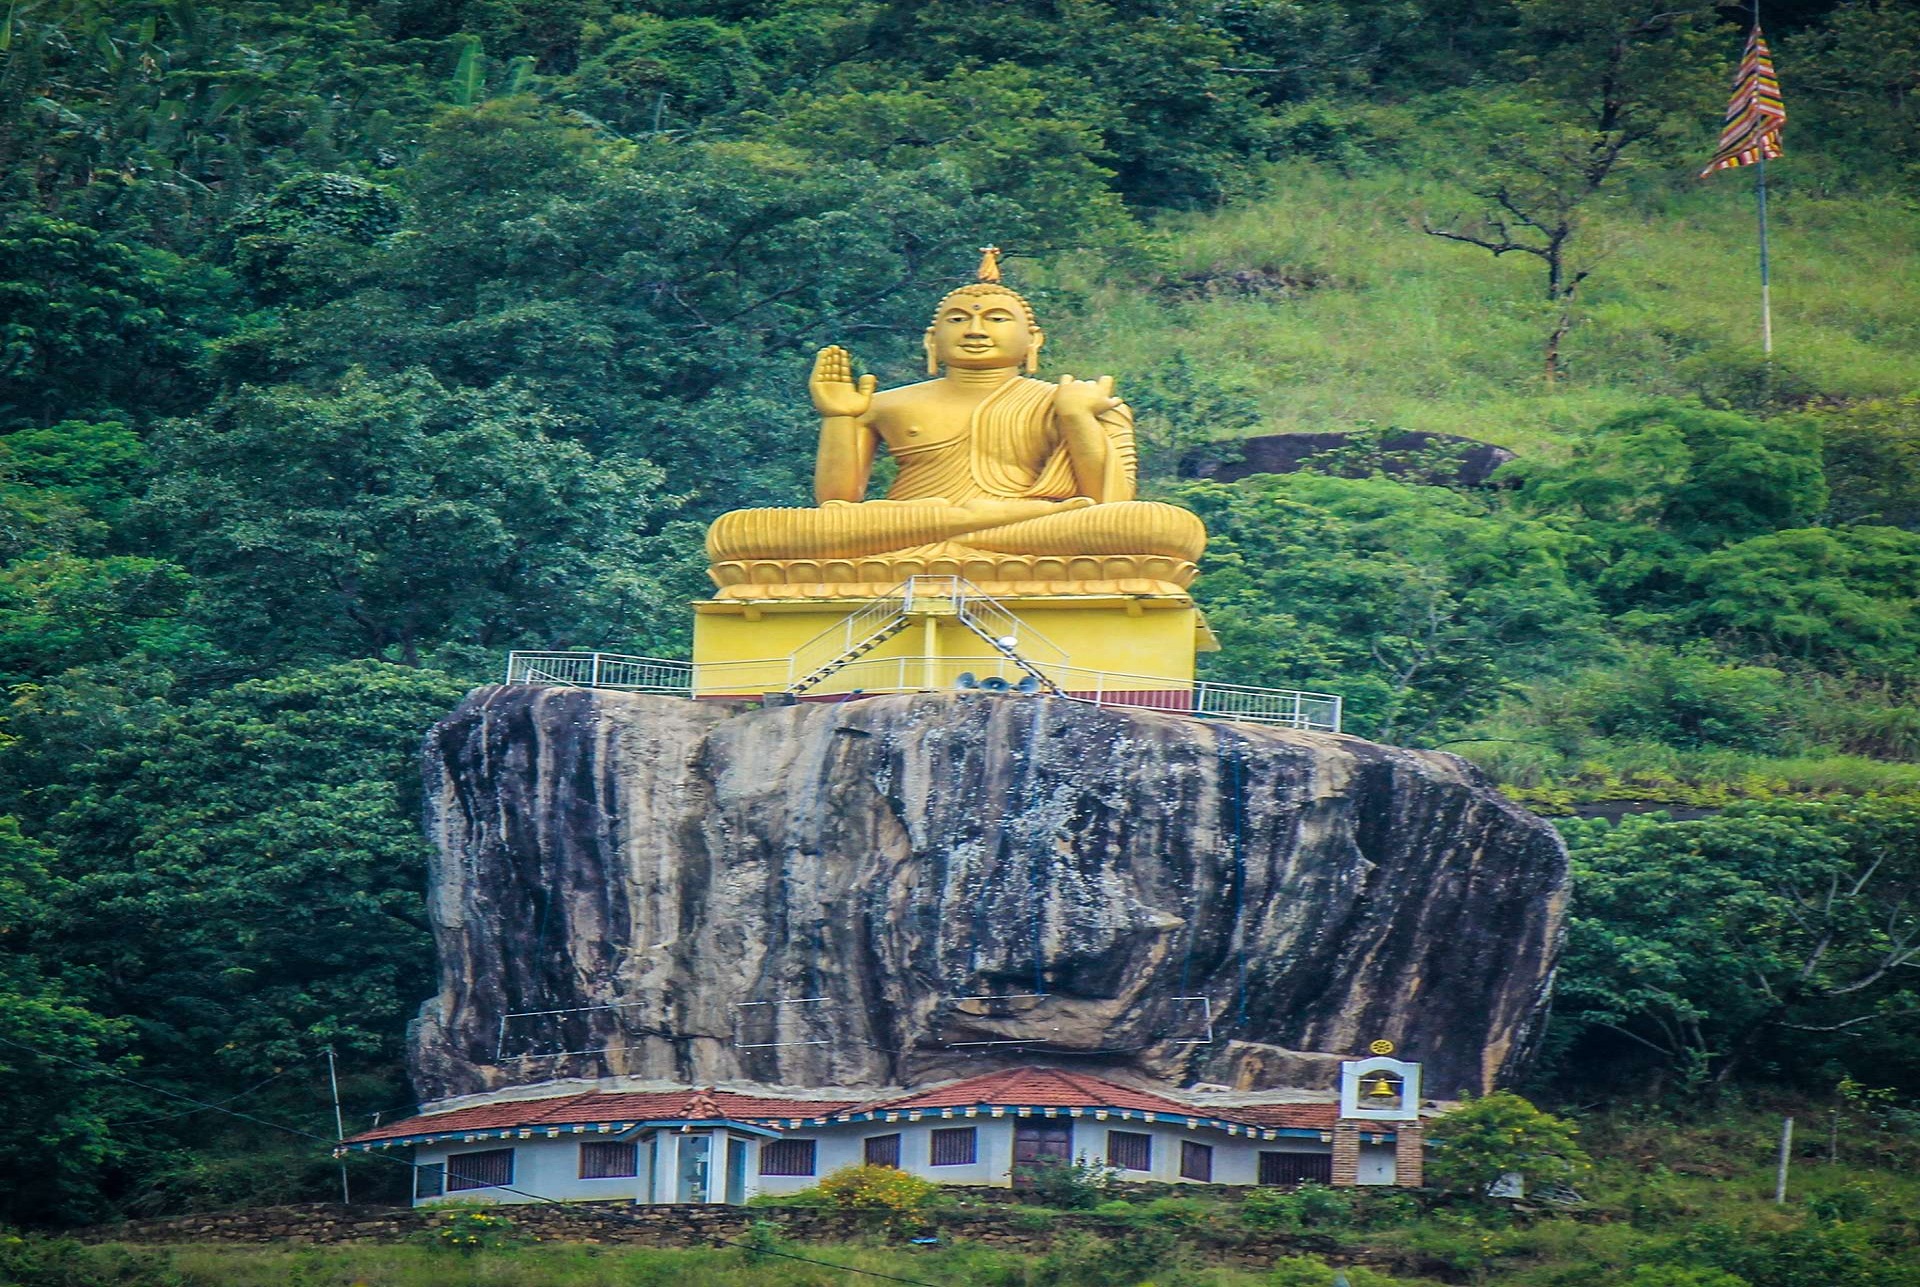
[[480, 1170], [1196, 1161], [608, 1159], [883, 1150], [429, 1179], [787, 1157], [1130, 1150], [1296, 1168], [954, 1147]]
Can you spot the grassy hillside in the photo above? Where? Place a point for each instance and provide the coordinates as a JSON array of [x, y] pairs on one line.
[[1371, 319]]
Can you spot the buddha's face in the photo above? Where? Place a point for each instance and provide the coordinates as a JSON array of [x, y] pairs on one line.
[[981, 332]]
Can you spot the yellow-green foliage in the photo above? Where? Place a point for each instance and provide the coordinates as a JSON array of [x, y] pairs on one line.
[[1370, 319], [472, 1231], [883, 1194]]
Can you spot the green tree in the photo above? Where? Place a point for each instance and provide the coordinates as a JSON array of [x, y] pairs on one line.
[[1784, 931], [61, 611], [307, 234], [1856, 71], [1484, 1140], [659, 73], [86, 472], [96, 325], [55, 1138], [1415, 603], [1689, 698], [393, 516], [1872, 457], [1603, 79], [1849, 595], [241, 874], [1653, 489]]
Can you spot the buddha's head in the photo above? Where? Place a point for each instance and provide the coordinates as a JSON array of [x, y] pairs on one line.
[[983, 327]]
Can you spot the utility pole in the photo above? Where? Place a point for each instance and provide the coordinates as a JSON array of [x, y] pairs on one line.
[[339, 1123], [1786, 1153]]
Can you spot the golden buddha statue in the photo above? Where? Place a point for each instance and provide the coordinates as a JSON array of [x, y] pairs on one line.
[[1023, 486]]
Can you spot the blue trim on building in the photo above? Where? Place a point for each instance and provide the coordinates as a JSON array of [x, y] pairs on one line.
[[775, 1127]]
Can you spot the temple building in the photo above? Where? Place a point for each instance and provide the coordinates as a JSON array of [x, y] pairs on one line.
[[703, 1146]]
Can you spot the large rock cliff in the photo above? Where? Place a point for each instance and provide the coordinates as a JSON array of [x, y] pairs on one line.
[[896, 889]]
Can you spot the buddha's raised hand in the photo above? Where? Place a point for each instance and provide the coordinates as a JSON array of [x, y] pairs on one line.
[[832, 384], [1084, 397]]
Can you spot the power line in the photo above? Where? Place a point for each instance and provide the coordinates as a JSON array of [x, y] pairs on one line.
[[168, 1117], [203, 1105]]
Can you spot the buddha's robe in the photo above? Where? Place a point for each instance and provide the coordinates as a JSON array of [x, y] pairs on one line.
[[1011, 451]]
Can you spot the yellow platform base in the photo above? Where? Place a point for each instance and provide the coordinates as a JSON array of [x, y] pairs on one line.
[[1089, 644]]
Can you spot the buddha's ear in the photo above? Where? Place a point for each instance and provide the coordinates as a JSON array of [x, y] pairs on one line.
[[1033, 350], [926, 342]]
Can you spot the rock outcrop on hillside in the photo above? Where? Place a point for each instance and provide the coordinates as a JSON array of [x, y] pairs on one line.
[[896, 889]]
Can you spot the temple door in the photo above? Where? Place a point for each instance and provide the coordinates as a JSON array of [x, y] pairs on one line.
[[1039, 1140]]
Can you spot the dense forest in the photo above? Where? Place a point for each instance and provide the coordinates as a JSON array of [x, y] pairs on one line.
[[345, 346]]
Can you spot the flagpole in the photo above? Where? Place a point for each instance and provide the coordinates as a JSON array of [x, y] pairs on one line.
[[1760, 204], [1766, 289]]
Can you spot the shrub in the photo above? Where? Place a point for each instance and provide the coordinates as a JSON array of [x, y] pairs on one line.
[[1384, 1210], [1070, 1186], [1322, 1206], [470, 1231], [1179, 1213], [32, 1261], [1816, 1255], [1305, 1271], [1681, 1276], [1039, 1219], [1084, 1260], [1849, 1203], [1315, 1206], [880, 1195], [1270, 1209], [1501, 1134], [762, 1238]]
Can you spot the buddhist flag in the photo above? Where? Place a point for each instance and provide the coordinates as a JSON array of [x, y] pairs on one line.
[[1754, 117]]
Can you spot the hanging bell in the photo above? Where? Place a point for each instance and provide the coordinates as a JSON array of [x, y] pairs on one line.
[[1382, 1089]]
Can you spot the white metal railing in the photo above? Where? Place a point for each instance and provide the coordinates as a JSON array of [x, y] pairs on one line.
[[1291, 707], [873, 676], [601, 670]]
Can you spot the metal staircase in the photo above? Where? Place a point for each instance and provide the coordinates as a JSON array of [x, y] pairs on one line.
[[922, 598]]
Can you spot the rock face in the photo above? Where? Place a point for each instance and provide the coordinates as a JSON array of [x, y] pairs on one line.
[[1413, 454], [898, 889]]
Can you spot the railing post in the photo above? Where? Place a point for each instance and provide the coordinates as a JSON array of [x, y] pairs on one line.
[[510, 657], [594, 681]]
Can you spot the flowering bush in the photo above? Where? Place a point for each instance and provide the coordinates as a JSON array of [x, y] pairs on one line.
[[881, 1194], [474, 1231]]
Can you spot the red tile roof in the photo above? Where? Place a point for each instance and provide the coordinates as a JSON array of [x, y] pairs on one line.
[[1015, 1088], [1038, 1088], [604, 1106], [1318, 1117]]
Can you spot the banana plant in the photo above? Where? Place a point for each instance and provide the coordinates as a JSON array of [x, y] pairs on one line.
[[469, 73]]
